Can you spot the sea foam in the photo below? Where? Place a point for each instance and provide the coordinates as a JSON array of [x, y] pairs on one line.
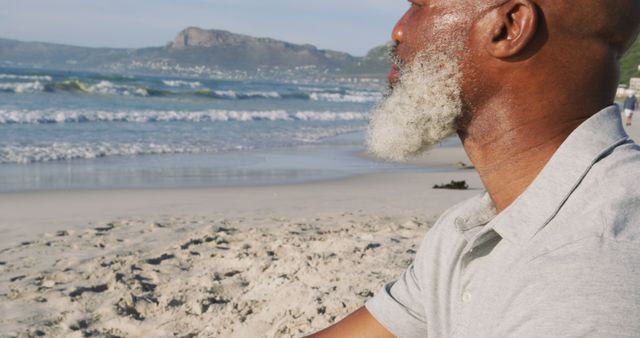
[[22, 87], [150, 116], [182, 84], [353, 97], [26, 77], [64, 151]]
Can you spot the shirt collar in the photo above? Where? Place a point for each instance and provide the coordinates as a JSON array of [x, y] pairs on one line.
[[474, 213], [564, 172]]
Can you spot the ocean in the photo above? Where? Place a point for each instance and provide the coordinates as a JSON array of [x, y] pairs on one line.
[[83, 130]]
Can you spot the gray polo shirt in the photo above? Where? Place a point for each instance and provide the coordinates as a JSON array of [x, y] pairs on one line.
[[562, 261]]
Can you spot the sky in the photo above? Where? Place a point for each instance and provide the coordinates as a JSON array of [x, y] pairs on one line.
[[352, 26]]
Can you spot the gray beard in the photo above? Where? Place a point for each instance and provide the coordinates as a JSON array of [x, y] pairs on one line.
[[421, 110]]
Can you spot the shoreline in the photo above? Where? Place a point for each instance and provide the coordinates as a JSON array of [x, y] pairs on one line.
[[336, 157], [27, 214]]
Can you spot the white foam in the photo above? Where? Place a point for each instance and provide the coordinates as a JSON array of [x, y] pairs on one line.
[[352, 97], [230, 94], [68, 151], [331, 116], [22, 87], [182, 84], [63, 151], [214, 115], [307, 135], [26, 77], [266, 95], [108, 88]]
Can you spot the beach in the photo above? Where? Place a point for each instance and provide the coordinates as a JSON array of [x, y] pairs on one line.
[[167, 206], [254, 212], [248, 261]]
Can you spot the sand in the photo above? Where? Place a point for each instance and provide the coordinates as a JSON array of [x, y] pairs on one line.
[[271, 261]]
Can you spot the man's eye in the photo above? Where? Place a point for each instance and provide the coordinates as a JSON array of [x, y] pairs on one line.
[[416, 4]]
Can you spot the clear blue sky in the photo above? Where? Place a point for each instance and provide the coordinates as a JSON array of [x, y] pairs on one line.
[[353, 26]]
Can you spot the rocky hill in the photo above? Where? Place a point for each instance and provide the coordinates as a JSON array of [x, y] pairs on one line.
[[375, 63], [197, 46], [196, 51]]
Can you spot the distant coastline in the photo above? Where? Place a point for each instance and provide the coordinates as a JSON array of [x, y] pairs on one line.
[[218, 54]]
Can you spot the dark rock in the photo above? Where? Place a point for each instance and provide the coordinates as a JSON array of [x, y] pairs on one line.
[[454, 185]]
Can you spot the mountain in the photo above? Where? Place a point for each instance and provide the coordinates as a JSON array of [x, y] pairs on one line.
[[196, 51], [376, 63], [197, 46]]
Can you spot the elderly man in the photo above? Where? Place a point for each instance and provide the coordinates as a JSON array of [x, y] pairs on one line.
[[552, 249]]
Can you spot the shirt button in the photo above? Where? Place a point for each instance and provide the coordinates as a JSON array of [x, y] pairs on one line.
[[466, 297]]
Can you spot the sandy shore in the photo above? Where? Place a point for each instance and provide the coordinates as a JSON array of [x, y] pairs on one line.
[[274, 261]]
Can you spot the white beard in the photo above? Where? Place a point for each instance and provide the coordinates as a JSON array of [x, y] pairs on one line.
[[420, 111]]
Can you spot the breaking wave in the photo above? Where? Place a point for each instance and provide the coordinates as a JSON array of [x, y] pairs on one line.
[[26, 77], [182, 84], [64, 151], [22, 87], [234, 95], [348, 96], [105, 87], [214, 115], [68, 151]]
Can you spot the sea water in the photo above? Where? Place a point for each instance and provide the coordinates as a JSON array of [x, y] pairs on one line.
[[65, 130]]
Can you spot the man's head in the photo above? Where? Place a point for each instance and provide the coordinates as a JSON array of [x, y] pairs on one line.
[[630, 93], [455, 58]]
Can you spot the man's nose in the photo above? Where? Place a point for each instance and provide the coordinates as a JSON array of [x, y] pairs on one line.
[[398, 31]]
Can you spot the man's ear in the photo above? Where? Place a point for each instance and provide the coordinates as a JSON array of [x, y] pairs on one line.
[[513, 26]]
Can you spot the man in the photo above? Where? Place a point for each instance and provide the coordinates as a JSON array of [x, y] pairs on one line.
[[552, 249], [630, 104]]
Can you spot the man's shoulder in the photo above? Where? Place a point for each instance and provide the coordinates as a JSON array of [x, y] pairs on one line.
[[614, 190], [605, 205]]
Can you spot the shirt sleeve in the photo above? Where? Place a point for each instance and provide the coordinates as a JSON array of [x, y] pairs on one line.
[[401, 306], [397, 306], [588, 289]]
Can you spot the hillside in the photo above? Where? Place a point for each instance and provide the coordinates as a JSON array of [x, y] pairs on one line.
[[193, 51], [630, 63], [196, 46], [375, 63]]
